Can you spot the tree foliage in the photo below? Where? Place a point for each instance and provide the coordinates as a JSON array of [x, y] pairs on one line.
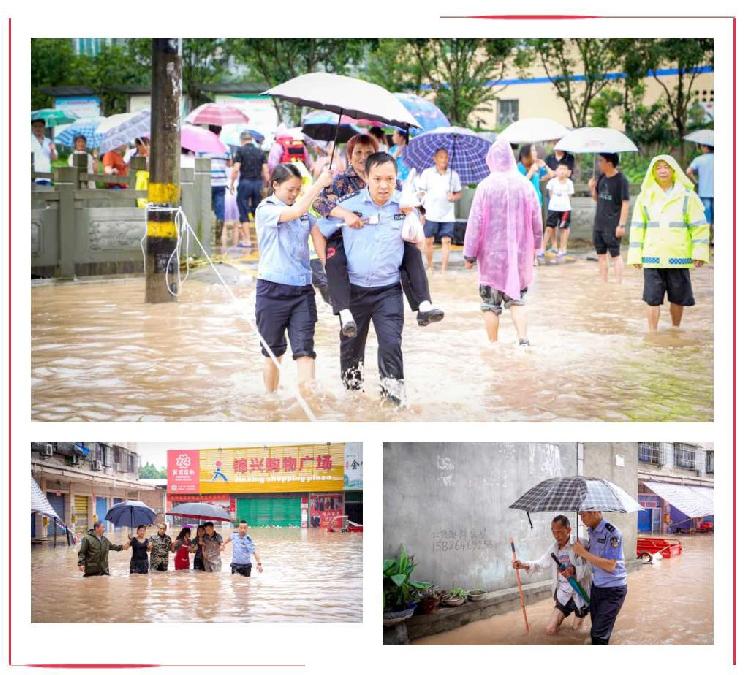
[[457, 70], [149, 470], [563, 60], [273, 61]]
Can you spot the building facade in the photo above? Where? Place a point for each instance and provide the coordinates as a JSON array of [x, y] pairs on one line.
[[448, 504], [313, 485], [82, 481], [675, 487]]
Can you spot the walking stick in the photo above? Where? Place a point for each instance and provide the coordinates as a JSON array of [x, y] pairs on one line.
[[520, 587]]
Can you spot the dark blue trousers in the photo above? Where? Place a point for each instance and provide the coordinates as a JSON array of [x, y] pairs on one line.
[[605, 606], [384, 307]]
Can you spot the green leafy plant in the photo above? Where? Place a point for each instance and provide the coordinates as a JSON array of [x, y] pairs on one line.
[[399, 591], [458, 592]]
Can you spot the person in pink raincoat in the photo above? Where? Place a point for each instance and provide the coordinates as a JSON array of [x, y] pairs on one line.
[[503, 231]]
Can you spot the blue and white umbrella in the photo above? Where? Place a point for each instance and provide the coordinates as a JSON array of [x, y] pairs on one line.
[[130, 513], [86, 127], [123, 129], [425, 112], [467, 152]]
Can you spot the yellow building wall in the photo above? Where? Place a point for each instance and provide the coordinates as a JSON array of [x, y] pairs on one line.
[[541, 99]]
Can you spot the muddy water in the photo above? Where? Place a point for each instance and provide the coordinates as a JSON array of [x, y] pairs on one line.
[[308, 576], [99, 353], [669, 602]]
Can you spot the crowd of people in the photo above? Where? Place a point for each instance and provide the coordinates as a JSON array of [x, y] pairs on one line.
[[151, 554], [336, 221]]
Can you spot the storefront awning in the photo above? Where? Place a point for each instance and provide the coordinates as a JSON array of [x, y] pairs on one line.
[[40, 503], [693, 501]]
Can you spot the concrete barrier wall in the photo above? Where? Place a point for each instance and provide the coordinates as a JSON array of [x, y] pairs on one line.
[[80, 231], [448, 504]]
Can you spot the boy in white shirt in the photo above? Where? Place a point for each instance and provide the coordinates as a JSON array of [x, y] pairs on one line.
[[560, 189], [439, 187]]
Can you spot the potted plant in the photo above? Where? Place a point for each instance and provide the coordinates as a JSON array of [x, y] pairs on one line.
[[400, 593], [476, 594], [430, 600], [455, 597]]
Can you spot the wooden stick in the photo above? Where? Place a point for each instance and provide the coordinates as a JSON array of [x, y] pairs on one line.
[[520, 588]]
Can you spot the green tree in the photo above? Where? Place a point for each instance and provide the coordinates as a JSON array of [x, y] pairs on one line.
[[457, 70], [273, 61], [148, 470], [53, 62], [685, 56], [562, 60]]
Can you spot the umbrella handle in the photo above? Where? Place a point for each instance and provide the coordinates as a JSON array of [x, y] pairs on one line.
[[335, 139]]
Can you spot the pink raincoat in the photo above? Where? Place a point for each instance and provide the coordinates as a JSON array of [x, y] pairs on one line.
[[505, 225]]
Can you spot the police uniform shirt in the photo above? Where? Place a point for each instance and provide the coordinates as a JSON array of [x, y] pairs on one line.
[[242, 549], [374, 252], [284, 252], [605, 541]]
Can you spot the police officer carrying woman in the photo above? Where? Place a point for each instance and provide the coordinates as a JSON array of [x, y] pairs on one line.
[[610, 584], [284, 297]]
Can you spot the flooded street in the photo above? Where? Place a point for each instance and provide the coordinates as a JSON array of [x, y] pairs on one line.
[[99, 353], [669, 602], [308, 576]]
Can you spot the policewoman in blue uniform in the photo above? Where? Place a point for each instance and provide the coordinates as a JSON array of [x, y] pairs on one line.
[[374, 256], [284, 296], [610, 583]]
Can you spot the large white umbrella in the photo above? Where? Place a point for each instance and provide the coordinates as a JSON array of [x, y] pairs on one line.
[[345, 96], [701, 137], [595, 139], [123, 128], [533, 130]]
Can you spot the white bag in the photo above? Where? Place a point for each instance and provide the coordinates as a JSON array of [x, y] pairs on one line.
[[412, 230]]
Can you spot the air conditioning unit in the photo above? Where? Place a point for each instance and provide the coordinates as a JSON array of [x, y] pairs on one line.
[[73, 460], [48, 450], [118, 467], [96, 465]]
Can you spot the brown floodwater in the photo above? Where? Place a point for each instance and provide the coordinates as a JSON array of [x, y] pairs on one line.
[[308, 576], [670, 602], [99, 353]]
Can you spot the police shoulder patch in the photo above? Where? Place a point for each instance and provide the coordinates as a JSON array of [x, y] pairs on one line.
[[610, 527]]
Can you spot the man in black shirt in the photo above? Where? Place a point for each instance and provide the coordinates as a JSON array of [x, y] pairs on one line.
[[560, 157], [610, 192], [251, 166]]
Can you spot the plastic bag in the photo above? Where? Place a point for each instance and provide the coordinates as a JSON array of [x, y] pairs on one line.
[[412, 229]]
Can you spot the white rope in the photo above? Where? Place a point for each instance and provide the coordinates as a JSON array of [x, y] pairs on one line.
[[184, 225]]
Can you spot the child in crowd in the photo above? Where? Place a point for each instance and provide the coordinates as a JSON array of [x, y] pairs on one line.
[[560, 189]]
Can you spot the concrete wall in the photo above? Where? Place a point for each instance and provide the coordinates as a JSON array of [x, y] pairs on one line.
[[448, 503], [83, 231], [617, 463]]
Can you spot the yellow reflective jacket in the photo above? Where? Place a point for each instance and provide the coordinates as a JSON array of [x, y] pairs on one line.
[[668, 229]]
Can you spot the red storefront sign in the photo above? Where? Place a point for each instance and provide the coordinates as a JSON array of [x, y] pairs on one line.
[[183, 471]]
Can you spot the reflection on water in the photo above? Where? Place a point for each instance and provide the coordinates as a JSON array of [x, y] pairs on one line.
[[669, 602], [99, 354], [308, 576]]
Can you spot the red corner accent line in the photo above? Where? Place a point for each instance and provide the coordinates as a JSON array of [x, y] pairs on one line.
[[10, 361], [526, 17], [734, 345]]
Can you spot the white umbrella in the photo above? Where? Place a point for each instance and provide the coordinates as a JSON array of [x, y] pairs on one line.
[[596, 139], [345, 96], [701, 137], [533, 130], [123, 128]]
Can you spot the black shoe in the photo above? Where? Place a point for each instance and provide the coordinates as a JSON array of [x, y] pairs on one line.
[[348, 329], [431, 316], [524, 343]]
